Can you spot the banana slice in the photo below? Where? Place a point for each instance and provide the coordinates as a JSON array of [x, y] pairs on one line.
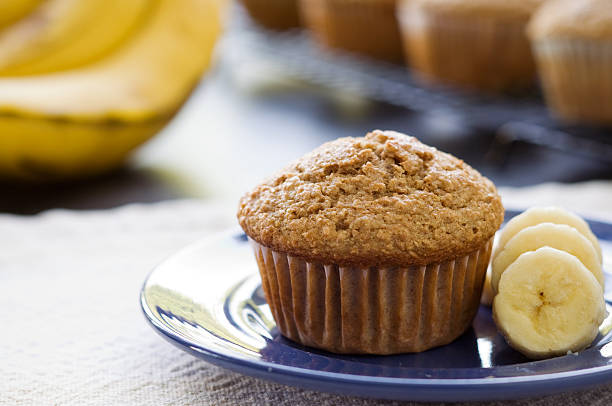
[[548, 304], [487, 291], [559, 236], [537, 215]]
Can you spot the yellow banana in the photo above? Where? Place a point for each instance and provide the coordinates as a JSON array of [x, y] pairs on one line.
[[13, 10], [85, 121], [64, 34]]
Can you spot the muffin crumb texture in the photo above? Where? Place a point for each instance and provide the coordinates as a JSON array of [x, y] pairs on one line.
[[383, 199]]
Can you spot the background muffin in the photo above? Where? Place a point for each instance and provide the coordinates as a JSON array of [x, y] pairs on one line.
[[367, 27], [274, 14], [477, 44], [373, 245], [572, 42]]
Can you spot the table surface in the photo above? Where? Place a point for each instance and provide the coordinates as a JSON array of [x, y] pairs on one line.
[[237, 127], [242, 124]]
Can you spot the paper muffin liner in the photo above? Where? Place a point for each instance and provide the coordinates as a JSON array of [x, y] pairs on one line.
[[274, 14], [577, 79], [373, 310], [364, 27], [478, 53]]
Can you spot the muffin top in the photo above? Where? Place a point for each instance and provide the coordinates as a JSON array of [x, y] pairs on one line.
[[382, 199], [498, 9], [571, 19]]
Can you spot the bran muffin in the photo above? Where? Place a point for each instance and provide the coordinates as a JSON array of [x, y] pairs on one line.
[[572, 43], [274, 14], [366, 27], [479, 44], [376, 244]]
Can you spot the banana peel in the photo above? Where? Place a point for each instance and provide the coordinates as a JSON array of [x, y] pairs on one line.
[[14, 10], [51, 150], [85, 121], [66, 34]]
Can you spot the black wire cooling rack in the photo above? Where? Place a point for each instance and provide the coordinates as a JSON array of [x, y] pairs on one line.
[[510, 119]]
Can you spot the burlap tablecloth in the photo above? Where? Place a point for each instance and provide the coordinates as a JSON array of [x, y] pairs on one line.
[[72, 333]]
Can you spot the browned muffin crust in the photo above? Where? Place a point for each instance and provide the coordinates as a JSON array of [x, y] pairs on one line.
[[500, 10], [384, 199], [570, 19]]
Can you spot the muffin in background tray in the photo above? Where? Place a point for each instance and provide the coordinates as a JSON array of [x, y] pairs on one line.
[[274, 14], [366, 27], [375, 245], [572, 43], [477, 44]]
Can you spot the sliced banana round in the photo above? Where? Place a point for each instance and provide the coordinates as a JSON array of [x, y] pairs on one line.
[[548, 304], [559, 236], [537, 215], [487, 291]]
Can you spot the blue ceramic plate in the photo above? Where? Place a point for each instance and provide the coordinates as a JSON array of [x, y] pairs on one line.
[[207, 300]]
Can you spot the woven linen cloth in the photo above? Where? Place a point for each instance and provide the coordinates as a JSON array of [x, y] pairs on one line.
[[72, 332]]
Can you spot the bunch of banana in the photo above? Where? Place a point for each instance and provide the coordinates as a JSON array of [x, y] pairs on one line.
[[82, 83], [548, 283]]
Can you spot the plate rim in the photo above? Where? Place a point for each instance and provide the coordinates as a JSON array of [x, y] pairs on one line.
[[447, 389]]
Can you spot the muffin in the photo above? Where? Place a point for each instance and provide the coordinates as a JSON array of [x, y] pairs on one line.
[[274, 14], [572, 43], [366, 27], [374, 245], [479, 44]]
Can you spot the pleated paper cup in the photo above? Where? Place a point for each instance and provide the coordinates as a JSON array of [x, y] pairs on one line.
[[366, 27], [478, 53], [372, 310], [576, 77]]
